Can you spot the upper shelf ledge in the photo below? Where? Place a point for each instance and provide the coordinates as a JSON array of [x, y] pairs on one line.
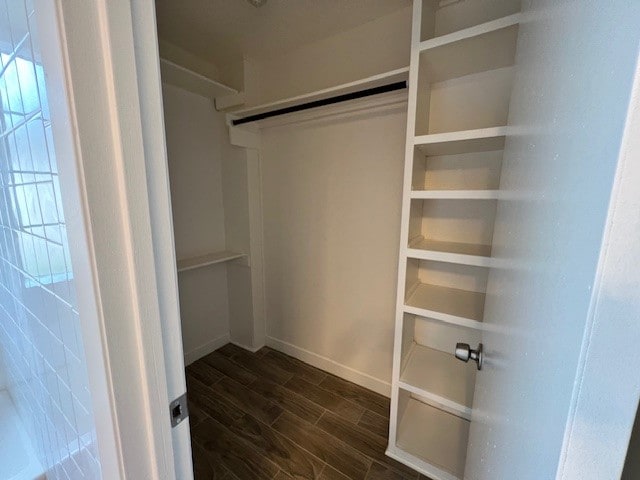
[[485, 47], [386, 78], [471, 32], [179, 76], [207, 259], [462, 141]]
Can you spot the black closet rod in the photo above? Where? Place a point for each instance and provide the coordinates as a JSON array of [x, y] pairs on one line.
[[321, 103]]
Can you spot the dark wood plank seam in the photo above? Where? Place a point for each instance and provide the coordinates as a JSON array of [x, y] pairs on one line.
[[246, 443], [323, 413], [275, 419], [366, 475], [332, 393], [366, 457], [361, 415]]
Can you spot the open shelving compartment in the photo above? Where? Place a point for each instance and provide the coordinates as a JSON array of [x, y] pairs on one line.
[[448, 292], [456, 231], [440, 449], [429, 368], [457, 173], [443, 18], [465, 76]]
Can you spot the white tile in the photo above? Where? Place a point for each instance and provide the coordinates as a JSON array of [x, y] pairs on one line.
[[39, 323]]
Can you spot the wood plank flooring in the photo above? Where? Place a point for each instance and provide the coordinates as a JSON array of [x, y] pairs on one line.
[[268, 416]]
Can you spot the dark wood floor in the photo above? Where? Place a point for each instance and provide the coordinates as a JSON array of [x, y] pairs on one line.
[[266, 415]]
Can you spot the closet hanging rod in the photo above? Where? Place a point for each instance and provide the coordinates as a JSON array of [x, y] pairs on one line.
[[392, 87]]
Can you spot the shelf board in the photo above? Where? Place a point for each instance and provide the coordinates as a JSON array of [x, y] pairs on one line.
[[464, 141], [436, 437], [488, 46], [208, 259], [451, 252], [440, 377], [451, 305], [455, 194], [179, 76], [379, 80]]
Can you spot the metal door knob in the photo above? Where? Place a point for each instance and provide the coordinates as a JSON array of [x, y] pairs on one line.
[[465, 353]]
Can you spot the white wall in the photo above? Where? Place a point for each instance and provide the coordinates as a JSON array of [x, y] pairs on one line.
[[195, 135], [331, 199], [575, 66], [370, 49]]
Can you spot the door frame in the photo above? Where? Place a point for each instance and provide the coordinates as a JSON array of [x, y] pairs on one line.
[[88, 52], [107, 70]]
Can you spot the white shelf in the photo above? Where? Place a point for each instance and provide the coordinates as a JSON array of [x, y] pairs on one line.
[[439, 377], [436, 437], [451, 305], [488, 46], [179, 76], [393, 76], [452, 252], [208, 259], [455, 194], [465, 141]]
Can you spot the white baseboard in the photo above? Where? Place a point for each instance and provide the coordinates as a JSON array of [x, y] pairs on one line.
[[245, 347], [363, 379], [206, 349]]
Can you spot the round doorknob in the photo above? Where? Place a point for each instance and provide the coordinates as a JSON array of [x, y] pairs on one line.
[[465, 353]]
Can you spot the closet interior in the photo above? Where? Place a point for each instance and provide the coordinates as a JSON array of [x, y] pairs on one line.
[[458, 63]]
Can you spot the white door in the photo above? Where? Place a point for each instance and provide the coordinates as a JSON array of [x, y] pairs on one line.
[[542, 410], [83, 131]]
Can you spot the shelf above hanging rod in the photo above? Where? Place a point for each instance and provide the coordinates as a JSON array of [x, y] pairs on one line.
[[208, 259], [179, 76], [347, 91]]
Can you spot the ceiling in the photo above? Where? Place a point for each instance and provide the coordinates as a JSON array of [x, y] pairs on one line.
[[220, 31]]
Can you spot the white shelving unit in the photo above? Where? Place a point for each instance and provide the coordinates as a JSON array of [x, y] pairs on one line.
[[460, 77], [208, 259]]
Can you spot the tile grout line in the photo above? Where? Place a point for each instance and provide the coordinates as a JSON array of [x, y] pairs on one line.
[[360, 418], [366, 457], [366, 475], [321, 415], [277, 418]]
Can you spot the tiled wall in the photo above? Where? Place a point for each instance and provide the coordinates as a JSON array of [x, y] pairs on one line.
[[40, 340]]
